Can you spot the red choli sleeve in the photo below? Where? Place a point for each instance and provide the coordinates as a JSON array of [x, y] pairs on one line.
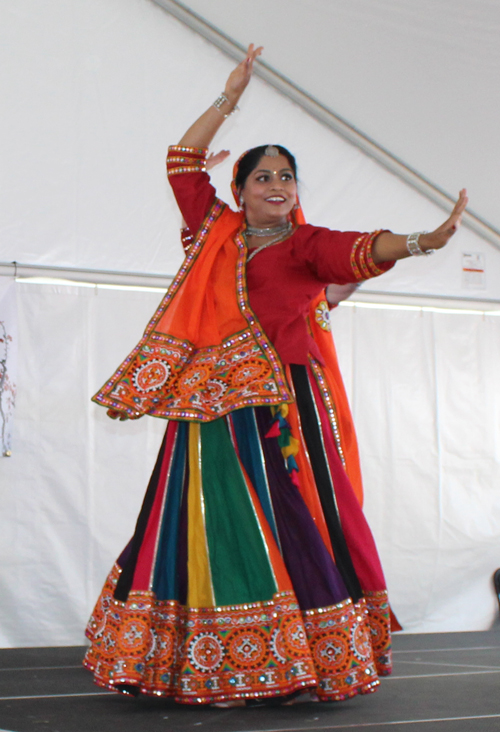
[[339, 256], [190, 183]]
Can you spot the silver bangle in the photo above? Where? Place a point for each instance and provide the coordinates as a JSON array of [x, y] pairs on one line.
[[222, 99], [413, 246]]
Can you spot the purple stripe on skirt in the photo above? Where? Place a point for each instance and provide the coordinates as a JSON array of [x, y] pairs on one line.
[[315, 578]]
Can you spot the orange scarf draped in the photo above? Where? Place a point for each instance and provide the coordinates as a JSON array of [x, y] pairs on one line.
[[203, 353]]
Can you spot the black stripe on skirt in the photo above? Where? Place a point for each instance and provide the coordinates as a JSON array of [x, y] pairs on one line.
[[314, 440]]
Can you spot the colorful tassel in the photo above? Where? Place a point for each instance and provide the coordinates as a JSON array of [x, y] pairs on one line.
[[288, 443]]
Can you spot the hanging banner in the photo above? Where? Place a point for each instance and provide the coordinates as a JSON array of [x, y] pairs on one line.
[[8, 363]]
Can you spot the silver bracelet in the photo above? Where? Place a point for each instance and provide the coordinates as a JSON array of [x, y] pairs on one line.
[[222, 99], [414, 247]]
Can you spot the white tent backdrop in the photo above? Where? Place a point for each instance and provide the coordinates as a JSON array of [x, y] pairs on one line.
[[419, 77], [424, 386], [94, 91]]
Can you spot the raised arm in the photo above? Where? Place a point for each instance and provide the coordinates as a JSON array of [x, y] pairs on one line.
[[202, 132], [212, 160], [388, 247]]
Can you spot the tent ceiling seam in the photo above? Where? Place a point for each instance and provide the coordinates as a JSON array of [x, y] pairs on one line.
[[330, 119]]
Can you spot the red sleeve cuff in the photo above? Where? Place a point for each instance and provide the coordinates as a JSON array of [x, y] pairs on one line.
[[363, 266], [186, 160]]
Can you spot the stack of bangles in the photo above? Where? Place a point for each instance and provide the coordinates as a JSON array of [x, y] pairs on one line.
[[220, 101], [413, 246]]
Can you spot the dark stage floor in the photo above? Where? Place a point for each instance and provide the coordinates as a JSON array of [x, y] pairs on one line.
[[444, 682]]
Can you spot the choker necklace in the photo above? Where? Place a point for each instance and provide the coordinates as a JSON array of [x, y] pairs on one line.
[[269, 231], [277, 240]]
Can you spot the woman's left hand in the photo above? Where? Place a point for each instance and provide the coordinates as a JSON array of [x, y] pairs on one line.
[[388, 246], [438, 238]]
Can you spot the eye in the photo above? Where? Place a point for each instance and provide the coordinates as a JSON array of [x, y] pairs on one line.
[[287, 176], [262, 178]]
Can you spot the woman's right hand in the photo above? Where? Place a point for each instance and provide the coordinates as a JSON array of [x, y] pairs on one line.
[[201, 133], [241, 75], [216, 158]]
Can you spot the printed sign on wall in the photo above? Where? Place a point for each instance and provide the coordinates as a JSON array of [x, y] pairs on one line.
[[473, 272]]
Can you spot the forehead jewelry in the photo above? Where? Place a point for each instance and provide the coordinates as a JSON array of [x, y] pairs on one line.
[[271, 151]]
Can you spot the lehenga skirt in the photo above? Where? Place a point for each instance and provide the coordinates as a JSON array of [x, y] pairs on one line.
[[252, 571]]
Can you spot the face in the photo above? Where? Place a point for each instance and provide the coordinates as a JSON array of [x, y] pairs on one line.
[[270, 192]]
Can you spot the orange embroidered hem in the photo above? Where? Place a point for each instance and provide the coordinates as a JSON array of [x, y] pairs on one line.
[[206, 655]]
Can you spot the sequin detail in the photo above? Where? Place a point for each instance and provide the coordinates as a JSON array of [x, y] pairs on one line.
[[254, 650], [329, 403], [186, 160], [322, 315]]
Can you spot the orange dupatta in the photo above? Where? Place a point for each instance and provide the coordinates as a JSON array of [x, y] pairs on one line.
[[203, 353], [335, 384]]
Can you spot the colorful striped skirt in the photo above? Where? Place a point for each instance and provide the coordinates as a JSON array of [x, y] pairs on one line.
[[252, 571]]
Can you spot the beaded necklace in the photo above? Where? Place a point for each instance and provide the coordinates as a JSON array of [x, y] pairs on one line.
[[270, 230], [284, 235]]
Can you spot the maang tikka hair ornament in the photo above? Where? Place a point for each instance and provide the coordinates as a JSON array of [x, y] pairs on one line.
[[271, 151]]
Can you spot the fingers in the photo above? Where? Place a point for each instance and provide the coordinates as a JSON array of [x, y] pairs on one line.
[[462, 201], [240, 76], [252, 54], [440, 236], [216, 158], [456, 215], [453, 222], [221, 155]]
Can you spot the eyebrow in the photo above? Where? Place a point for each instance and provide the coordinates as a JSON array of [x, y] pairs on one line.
[[268, 170]]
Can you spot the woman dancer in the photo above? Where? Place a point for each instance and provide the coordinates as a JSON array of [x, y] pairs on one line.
[[252, 572]]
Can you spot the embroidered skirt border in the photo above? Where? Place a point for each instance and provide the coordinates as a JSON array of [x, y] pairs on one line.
[[257, 650]]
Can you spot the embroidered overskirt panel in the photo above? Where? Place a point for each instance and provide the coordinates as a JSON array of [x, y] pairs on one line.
[[252, 571]]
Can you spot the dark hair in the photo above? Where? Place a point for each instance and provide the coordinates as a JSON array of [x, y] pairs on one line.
[[251, 159]]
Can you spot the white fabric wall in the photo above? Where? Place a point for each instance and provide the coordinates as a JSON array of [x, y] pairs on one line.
[[72, 489], [8, 362], [424, 389], [425, 392]]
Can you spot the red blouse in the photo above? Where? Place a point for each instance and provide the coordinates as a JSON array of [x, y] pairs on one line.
[[283, 279]]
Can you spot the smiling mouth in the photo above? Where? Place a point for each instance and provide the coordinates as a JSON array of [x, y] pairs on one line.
[[276, 199]]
